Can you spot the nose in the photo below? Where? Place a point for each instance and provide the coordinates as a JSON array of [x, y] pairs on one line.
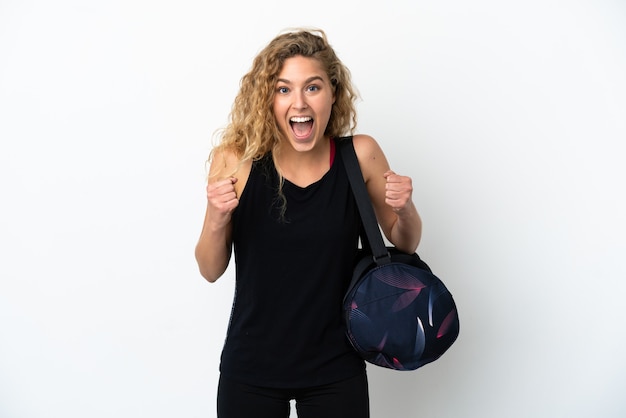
[[299, 100]]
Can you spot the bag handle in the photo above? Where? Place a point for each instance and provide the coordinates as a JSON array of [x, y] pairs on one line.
[[366, 210]]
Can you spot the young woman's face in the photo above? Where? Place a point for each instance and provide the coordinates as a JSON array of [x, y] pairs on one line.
[[303, 100]]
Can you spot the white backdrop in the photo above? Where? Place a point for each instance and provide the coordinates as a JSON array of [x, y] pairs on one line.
[[509, 116]]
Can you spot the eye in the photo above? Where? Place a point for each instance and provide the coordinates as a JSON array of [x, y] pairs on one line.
[[312, 88], [282, 90]]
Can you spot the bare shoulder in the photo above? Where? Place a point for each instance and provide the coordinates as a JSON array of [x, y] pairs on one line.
[[225, 163], [365, 145], [371, 157]]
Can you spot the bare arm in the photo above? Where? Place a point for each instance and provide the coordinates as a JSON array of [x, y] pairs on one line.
[[214, 246], [391, 195]]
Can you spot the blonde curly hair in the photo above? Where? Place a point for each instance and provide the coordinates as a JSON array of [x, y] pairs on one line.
[[252, 130]]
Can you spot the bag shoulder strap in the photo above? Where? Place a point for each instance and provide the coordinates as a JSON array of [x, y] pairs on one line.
[[363, 201]]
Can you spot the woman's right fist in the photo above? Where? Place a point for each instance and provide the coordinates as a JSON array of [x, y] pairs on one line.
[[222, 200]]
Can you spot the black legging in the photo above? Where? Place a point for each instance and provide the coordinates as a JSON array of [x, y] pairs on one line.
[[344, 399]]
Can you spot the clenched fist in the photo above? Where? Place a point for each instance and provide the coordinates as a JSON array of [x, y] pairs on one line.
[[398, 191], [222, 201]]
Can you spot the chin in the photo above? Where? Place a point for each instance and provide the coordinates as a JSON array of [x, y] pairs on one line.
[[301, 146], [305, 144]]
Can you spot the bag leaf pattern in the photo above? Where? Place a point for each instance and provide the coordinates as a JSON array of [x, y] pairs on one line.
[[400, 316]]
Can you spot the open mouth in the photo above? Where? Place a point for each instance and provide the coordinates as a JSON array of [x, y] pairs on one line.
[[301, 126]]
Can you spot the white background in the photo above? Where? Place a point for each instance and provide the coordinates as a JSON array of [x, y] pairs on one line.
[[510, 116]]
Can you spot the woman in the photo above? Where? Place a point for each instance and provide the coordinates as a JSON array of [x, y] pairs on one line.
[[279, 195]]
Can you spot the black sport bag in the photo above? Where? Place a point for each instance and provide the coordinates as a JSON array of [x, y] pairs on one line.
[[398, 314]]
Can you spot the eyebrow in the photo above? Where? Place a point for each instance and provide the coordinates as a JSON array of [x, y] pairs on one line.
[[307, 81]]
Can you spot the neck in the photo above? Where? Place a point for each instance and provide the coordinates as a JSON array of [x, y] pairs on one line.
[[303, 168]]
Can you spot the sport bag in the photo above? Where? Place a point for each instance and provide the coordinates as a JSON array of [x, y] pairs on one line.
[[398, 314]]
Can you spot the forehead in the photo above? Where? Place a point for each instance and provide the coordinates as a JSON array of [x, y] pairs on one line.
[[299, 67]]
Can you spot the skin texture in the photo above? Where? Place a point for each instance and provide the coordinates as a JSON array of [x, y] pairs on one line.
[[303, 90]]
